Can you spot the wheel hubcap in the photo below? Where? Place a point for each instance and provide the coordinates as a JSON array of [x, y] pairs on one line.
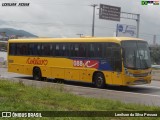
[[37, 75], [99, 81]]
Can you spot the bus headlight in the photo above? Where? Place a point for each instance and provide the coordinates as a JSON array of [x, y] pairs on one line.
[[129, 74]]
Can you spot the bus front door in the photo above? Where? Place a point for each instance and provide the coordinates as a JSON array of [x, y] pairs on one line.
[[117, 66]]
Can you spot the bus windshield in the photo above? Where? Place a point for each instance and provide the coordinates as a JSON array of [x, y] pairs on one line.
[[136, 55]]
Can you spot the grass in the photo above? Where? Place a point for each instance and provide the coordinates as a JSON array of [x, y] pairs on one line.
[[18, 97]]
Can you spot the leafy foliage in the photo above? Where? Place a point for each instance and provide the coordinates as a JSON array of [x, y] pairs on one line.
[[155, 55]]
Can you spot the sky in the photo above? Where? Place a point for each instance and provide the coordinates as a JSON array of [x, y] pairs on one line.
[[67, 18]]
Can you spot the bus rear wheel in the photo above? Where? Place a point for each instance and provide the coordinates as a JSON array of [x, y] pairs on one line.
[[99, 80], [37, 74]]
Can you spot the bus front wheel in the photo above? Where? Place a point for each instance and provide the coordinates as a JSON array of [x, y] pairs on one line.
[[99, 80], [37, 74]]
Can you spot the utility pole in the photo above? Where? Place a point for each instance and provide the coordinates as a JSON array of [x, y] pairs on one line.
[[93, 20], [138, 21], [80, 35], [154, 40]]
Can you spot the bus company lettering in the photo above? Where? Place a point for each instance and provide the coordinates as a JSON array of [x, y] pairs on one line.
[[37, 61], [86, 63]]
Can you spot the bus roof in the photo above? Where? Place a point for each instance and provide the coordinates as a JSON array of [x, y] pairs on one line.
[[82, 39]]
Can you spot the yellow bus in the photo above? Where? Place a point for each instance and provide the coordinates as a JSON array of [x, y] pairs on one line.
[[110, 60]]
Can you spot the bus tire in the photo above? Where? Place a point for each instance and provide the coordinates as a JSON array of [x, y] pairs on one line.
[[37, 75], [99, 80]]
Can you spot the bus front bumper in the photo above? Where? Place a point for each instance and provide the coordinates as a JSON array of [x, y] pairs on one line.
[[138, 81]]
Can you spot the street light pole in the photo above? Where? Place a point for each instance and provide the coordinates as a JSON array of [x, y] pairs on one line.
[[138, 22], [93, 20]]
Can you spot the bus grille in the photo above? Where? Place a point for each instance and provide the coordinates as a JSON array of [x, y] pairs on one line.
[[140, 75]]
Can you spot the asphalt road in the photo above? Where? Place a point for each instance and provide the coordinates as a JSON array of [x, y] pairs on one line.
[[141, 94]]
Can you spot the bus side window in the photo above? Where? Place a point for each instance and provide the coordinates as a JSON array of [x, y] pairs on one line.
[[12, 49], [31, 49], [24, 49], [77, 49], [108, 52], [45, 49], [94, 50], [98, 50], [60, 49], [65, 49], [57, 49], [91, 50], [74, 50], [36, 49], [71, 50], [18, 49], [52, 49], [82, 50], [39, 51]]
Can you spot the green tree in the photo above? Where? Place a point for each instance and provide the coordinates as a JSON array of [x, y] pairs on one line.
[[155, 55]]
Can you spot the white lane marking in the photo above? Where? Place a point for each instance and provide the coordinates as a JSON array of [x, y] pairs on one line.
[[137, 93], [151, 86]]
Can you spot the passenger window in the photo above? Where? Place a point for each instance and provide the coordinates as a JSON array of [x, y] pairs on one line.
[[12, 49], [91, 50], [82, 50], [46, 49], [95, 50], [74, 50], [98, 50], [65, 49], [35, 49], [52, 49], [57, 50], [24, 49]]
